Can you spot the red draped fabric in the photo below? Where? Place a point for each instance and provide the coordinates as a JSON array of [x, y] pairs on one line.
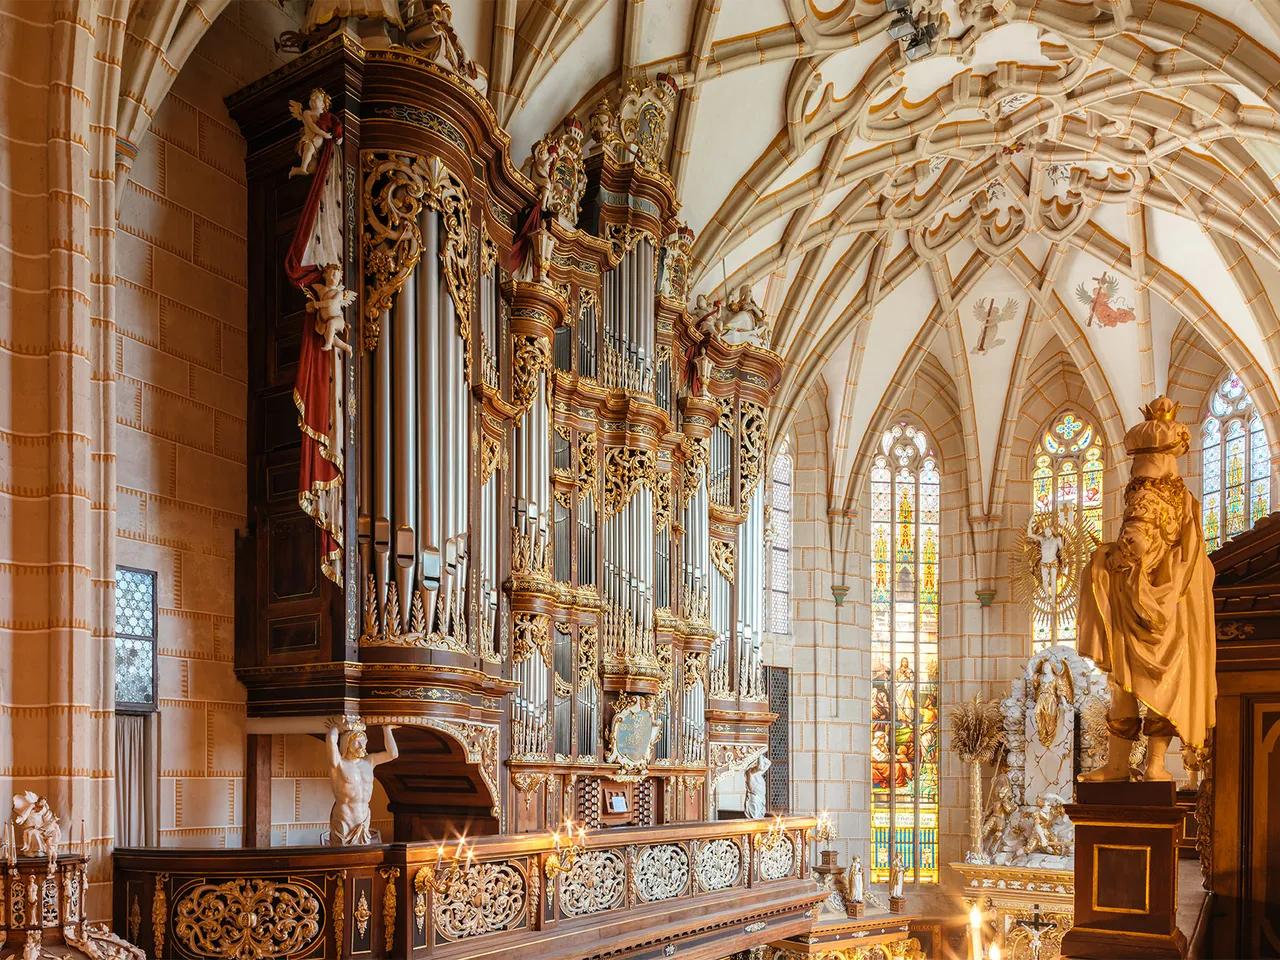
[[317, 387]]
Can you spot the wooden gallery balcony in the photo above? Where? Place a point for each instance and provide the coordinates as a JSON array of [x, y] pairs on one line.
[[697, 890]]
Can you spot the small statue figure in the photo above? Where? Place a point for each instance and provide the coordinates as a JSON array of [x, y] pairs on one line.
[[326, 301], [351, 774], [313, 133], [1146, 604], [897, 877], [41, 833], [430, 30], [320, 12], [1002, 807], [1051, 560], [1050, 687], [705, 315], [1041, 828], [744, 320], [754, 806], [855, 882]]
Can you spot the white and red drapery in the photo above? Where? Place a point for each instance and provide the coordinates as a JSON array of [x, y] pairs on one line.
[[318, 387]]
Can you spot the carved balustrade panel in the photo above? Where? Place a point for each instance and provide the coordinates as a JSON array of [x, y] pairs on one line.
[[595, 883], [718, 864], [662, 872]]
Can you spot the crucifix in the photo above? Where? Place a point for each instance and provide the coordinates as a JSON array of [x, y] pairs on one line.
[[1099, 283], [1035, 928]]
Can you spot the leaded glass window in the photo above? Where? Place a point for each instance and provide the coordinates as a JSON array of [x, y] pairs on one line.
[[1236, 477], [781, 482], [135, 640], [906, 520], [1066, 480]]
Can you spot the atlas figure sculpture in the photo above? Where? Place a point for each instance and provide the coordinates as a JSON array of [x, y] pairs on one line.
[[351, 774]]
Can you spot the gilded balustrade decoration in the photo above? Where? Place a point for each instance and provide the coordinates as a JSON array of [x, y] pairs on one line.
[[446, 899]]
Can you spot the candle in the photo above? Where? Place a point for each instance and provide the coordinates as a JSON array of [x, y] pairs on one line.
[[995, 952], [975, 932]]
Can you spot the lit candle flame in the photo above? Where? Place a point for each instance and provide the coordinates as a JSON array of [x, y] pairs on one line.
[[975, 916], [994, 952]]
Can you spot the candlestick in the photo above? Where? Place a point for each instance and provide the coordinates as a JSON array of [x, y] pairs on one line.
[[975, 932]]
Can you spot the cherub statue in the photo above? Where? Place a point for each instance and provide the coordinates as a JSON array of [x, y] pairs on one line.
[[326, 300], [41, 833], [1050, 687], [1041, 835], [313, 134], [999, 810], [351, 774]]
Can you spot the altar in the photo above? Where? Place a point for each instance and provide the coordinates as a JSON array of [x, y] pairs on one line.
[[1053, 728]]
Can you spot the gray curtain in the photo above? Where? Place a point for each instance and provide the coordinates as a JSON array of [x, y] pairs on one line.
[[136, 783]]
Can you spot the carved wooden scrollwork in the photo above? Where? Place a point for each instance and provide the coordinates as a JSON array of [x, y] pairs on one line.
[[531, 632], [717, 864], [662, 872], [625, 468], [662, 499], [492, 456], [396, 188], [531, 358], [778, 860], [753, 424], [596, 882], [248, 918], [722, 558], [477, 900], [588, 465]]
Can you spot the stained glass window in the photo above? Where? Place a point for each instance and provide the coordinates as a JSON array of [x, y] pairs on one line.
[[135, 640], [1235, 487], [906, 517], [1066, 479], [780, 477]]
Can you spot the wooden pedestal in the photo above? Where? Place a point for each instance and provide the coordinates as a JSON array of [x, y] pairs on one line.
[[854, 909], [1126, 872], [897, 904]]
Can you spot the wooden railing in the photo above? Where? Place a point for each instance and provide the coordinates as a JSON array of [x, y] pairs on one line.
[[705, 888]]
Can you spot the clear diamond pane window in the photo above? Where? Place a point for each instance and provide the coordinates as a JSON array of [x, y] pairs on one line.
[[780, 478], [1235, 479], [135, 639]]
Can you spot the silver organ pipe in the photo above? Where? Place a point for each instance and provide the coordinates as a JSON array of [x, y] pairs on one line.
[[720, 480], [750, 613], [416, 428]]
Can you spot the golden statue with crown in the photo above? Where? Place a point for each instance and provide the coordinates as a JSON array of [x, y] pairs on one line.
[[1146, 604]]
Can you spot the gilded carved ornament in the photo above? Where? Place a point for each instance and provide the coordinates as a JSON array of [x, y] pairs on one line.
[[493, 454], [396, 188], [557, 168], [662, 499], [361, 915], [210, 920], [588, 465], [753, 429], [390, 875], [531, 633], [722, 558], [625, 469], [530, 360], [637, 129], [159, 913]]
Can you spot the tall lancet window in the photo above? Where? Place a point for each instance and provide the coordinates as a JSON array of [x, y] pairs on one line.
[[905, 546], [1066, 481], [781, 476], [1236, 488]]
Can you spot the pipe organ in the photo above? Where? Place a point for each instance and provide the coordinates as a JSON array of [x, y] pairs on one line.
[[552, 520]]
